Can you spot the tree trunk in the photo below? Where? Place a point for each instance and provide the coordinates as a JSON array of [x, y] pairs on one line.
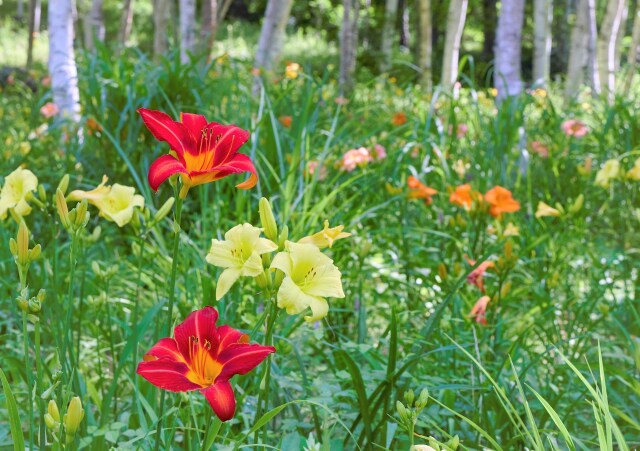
[[620, 37], [62, 62], [187, 29], [489, 21], [543, 16], [94, 25], [20, 11], [425, 45], [32, 31], [634, 50], [222, 12], [273, 33], [607, 46], [390, 15], [209, 26], [160, 23], [348, 45], [455, 27], [126, 22], [507, 75], [405, 36], [37, 15]]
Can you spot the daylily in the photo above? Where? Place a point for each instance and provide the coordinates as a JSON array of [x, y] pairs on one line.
[[355, 157], [312, 167], [17, 186], [479, 310], [575, 128], [501, 201], [418, 190], [310, 276], [379, 152], [609, 172], [285, 121], [49, 110], [116, 203], [540, 149], [546, 210], [203, 357], [464, 196], [326, 237], [634, 172], [239, 254], [399, 118], [511, 230], [460, 168], [201, 151], [476, 276], [292, 71]]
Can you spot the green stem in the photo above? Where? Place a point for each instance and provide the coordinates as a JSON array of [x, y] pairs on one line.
[[134, 324], [172, 296], [27, 367], [43, 438], [263, 396], [67, 339]]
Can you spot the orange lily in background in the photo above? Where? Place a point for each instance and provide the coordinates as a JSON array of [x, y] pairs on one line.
[[418, 190], [464, 196], [399, 118], [476, 276], [201, 151], [479, 310], [501, 201], [202, 356]]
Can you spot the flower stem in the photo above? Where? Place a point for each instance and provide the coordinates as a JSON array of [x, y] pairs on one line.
[[134, 322], [263, 396], [172, 296], [42, 440], [27, 367], [66, 348]]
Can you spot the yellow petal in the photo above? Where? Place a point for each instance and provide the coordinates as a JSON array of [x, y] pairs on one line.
[[294, 300], [221, 254], [226, 281]]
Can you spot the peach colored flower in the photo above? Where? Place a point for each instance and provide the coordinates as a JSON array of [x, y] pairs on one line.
[[341, 100], [312, 167], [418, 190], [285, 121], [93, 126], [464, 196], [46, 81], [476, 276], [575, 128], [355, 157], [49, 110], [256, 71], [501, 201], [540, 149], [379, 152], [399, 118], [479, 310]]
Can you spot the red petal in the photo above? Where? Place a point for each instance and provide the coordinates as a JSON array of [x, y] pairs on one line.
[[224, 141], [167, 374], [166, 129], [241, 358], [200, 324], [163, 168], [221, 399], [227, 336], [195, 123], [165, 348]]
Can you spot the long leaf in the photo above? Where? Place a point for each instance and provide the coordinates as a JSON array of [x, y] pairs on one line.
[[14, 418]]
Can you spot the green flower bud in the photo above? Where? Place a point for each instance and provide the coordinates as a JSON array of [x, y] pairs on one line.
[[73, 418], [164, 210], [267, 219]]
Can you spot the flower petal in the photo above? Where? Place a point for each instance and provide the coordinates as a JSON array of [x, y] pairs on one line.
[[221, 399], [240, 163], [163, 128], [166, 348], [163, 168], [282, 261], [241, 358], [225, 140], [195, 123], [200, 324], [167, 374], [227, 336], [293, 299], [226, 281]]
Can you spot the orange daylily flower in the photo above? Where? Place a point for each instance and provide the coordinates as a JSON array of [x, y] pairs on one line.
[[418, 190], [285, 121], [399, 118], [476, 276], [479, 310], [464, 196], [501, 201]]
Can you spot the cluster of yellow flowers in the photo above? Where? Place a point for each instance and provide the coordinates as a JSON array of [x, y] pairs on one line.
[[300, 273], [611, 170]]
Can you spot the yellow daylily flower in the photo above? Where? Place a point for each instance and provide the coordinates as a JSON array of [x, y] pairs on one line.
[[310, 276], [17, 186], [546, 210], [511, 230], [326, 237], [239, 255], [634, 172], [116, 203], [610, 171]]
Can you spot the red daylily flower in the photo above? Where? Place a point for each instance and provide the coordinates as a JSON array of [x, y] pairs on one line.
[[201, 151], [476, 276], [479, 310], [203, 357]]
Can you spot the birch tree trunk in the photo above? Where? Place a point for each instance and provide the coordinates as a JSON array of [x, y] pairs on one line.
[[37, 14], [187, 29], [634, 50], [94, 25], [390, 15], [348, 45], [20, 11], [582, 52], [543, 16], [273, 33], [160, 34], [455, 26], [607, 46], [209, 26], [507, 75], [32, 31], [620, 37], [126, 22], [425, 45], [593, 75], [62, 62]]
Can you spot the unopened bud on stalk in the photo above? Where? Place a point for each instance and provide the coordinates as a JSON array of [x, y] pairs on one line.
[[63, 209], [442, 271], [164, 210], [64, 184], [409, 396], [52, 417], [504, 291], [423, 398], [577, 204], [22, 255], [267, 219], [82, 215], [42, 194], [284, 235], [73, 418]]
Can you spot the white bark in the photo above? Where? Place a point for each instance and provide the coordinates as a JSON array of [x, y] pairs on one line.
[[543, 16], [390, 14], [160, 32], [62, 62], [507, 75], [209, 25], [20, 10], [273, 33], [36, 16], [607, 47], [578, 54], [187, 29], [348, 45], [425, 47], [455, 26], [94, 25], [593, 76], [634, 50], [32, 31], [126, 22]]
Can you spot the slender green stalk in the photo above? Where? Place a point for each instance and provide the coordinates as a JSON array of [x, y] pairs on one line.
[[263, 396], [67, 339], [39, 376], [172, 296], [134, 322], [27, 367]]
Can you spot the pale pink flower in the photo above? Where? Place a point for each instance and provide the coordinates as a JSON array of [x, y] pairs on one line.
[[312, 166], [462, 130], [575, 128], [49, 110], [540, 149], [354, 158], [379, 152]]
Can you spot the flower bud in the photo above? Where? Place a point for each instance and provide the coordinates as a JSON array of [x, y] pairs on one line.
[[13, 247], [34, 253], [409, 396], [73, 418], [267, 219], [64, 184], [63, 209], [577, 204], [164, 210], [423, 398], [23, 244], [82, 215], [284, 235], [42, 194], [34, 305], [52, 417], [52, 409], [442, 271]]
